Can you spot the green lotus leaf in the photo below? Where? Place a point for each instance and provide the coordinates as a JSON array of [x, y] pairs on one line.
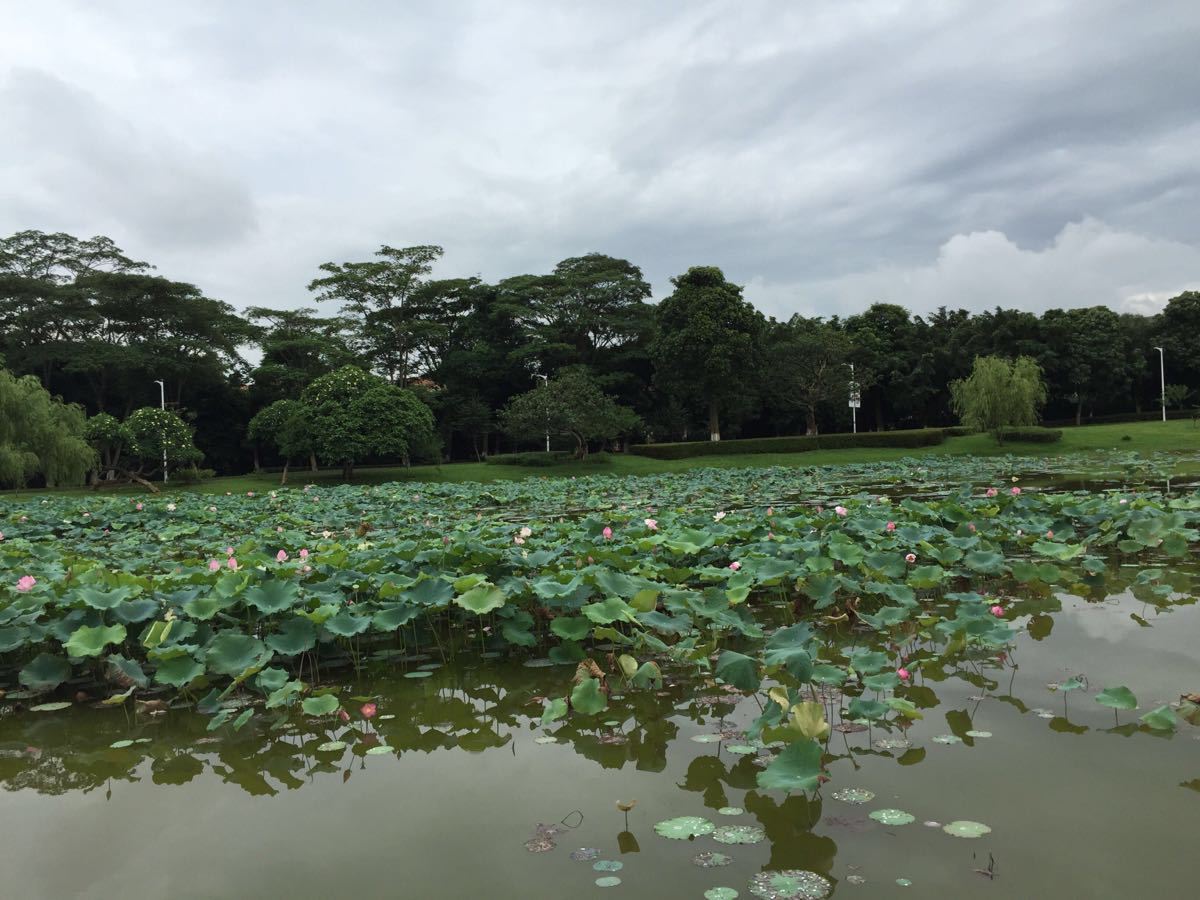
[[883, 681], [571, 628], [50, 707], [206, 607], [720, 893], [272, 595], [827, 674], [321, 705], [648, 675], [608, 611], [347, 624], [684, 828], [178, 672], [133, 611], [866, 662], [94, 598], [739, 834], [125, 671], [13, 637], [231, 653], [893, 817], [738, 670], [285, 694], [554, 710], [45, 672], [295, 635], [1161, 718], [645, 601], [866, 709], [394, 615], [86, 641], [243, 717], [1119, 697], [482, 598], [965, 828], [431, 592], [587, 698], [796, 768], [270, 680]]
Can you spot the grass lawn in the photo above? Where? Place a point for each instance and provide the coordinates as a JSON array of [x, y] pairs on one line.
[[1145, 437]]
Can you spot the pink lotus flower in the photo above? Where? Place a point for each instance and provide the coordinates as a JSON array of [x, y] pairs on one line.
[[304, 553], [139, 507], [997, 611], [770, 510], [1, 535], [214, 565], [719, 516], [770, 535], [232, 563], [607, 532], [23, 519], [1049, 535], [910, 558], [279, 529], [735, 565], [891, 526], [1015, 491], [841, 510], [170, 508], [445, 540], [652, 524], [903, 673], [971, 527], [368, 710], [249, 493], [526, 532], [281, 556], [306, 569], [229, 551], [26, 583], [343, 715], [518, 540], [991, 492]]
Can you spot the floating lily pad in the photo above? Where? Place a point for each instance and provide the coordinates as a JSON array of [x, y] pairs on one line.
[[537, 663], [892, 816], [739, 834], [855, 879], [380, 750], [854, 795], [978, 734], [608, 881], [545, 739], [903, 882], [50, 707], [684, 828], [790, 884], [120, 745], [707, 738], [964, 828], [711, 859], [720, 893], [585, 854], [893, 744], [608, 865], [418, 674], [947, 739], [430, 667], [331, 747], [741, 749], [730, 811]]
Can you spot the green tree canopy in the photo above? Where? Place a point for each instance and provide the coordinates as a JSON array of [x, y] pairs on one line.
[[350, 415], [709, 343], [809, 365], [570, 404], [40, 435], [999, 394]]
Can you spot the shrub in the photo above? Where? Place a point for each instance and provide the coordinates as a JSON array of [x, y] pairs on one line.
[[539, 458], [958, 431], [192, 475], [919, 437], [1031, 435]]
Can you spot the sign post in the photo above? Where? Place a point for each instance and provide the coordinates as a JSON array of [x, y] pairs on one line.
[[855, 401]]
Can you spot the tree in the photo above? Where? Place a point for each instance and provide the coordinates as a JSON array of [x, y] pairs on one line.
[[709, 343], [351, 415], [383, 297], [283, 426], [1176, 395], [999, 394], [570, 404], [886, 350], [109, 437], [40, 435], [157, 434], [808, 365], [298, 346], [1089, 359], [1179, 335]]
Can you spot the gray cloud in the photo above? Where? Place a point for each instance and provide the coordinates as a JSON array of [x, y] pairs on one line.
[[825, 154]]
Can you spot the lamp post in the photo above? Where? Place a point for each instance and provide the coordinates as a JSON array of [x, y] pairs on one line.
[[545, 380], [855, 401], [1162, 379], [162, 400]]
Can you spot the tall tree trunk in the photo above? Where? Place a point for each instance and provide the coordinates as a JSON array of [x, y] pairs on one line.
[[312, 462], [286, 462], [810, 421], [347, 470], [1079, 410], [257, 462], [714, 421]]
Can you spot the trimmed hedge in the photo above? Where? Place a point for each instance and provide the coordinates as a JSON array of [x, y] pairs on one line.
[[918, 437], [1031, 435], [532, 458]]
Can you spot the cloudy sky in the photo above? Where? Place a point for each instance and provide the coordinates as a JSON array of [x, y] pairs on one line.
[[826, 155]]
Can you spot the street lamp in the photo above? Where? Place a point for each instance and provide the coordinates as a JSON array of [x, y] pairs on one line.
[[545, 380], [162, 400], [1162, 378], [855, 401]]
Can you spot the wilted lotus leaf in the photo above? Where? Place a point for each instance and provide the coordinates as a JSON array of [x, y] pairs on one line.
[[790, 884], [854, 795], [539, 844], [892, 816], [684, 828], [964, 828], [585, 854], [739, 834], [711, 859]]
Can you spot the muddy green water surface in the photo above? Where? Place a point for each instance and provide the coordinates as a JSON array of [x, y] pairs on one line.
[[1081, 803]]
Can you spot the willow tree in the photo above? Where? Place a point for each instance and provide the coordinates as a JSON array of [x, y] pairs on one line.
[[999, 394], [40, 435]]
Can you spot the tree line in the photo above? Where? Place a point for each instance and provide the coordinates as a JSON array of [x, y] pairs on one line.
[[493, 365]]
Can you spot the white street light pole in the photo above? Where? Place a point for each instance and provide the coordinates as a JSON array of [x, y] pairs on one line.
[[1162, 378], [855, 401], [162, 399], [545, 380]]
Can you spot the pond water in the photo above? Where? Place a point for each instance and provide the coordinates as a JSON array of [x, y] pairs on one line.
[[1078, 806]]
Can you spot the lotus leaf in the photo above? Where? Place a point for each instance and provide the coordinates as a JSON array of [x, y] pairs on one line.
[[587, 698], [892, 817], [320, 705], [964, 828], [684, 828], [231, 653], [87, 641], [796, 768], [1119, 697], [45, 672]]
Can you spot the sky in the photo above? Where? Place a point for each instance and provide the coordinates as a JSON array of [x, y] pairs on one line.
[[826, 155]]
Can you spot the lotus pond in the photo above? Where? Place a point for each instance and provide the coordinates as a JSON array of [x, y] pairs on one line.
[[926, 678]]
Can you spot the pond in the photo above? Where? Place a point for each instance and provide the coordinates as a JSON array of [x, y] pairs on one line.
[[446, 772]]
